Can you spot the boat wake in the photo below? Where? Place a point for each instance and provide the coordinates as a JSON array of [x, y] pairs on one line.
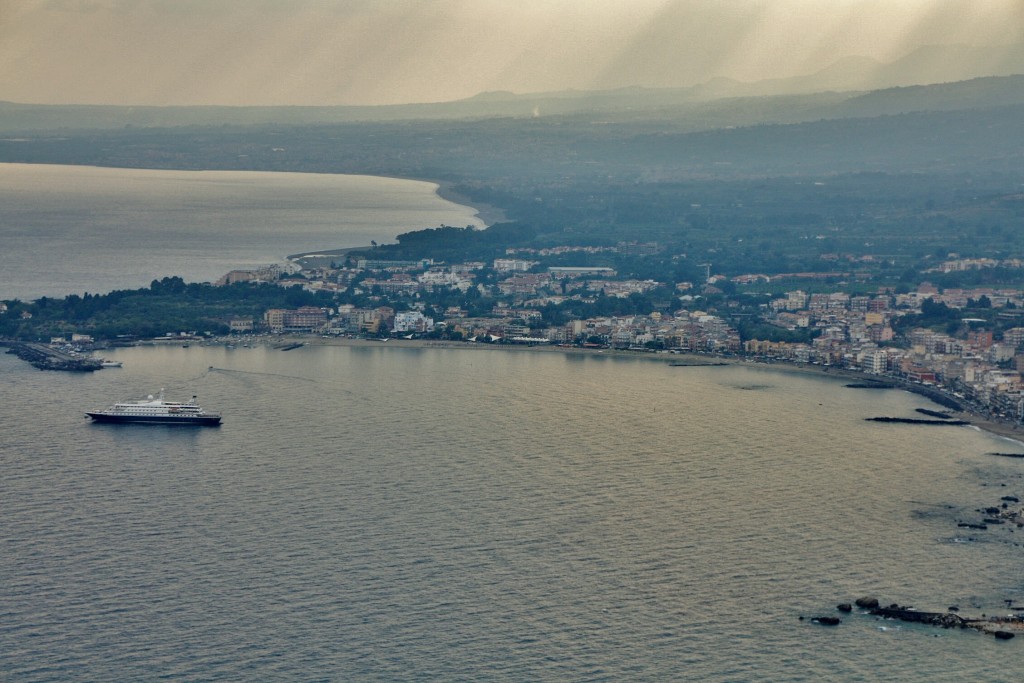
[[261, 374]]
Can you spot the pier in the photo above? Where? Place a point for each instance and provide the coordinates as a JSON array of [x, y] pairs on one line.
[[47, 358]]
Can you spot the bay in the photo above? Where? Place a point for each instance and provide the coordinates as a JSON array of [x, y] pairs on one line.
[[378, 513], [71, 229]]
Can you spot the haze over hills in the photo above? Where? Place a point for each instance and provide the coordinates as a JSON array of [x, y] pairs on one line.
[[926, 65], [633, 163], [921, 80], [974, 126]]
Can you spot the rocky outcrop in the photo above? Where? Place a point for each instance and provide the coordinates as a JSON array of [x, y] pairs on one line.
[[1003, 628], [943, 619]]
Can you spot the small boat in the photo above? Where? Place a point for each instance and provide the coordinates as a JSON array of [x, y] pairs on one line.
[[157, 411], [104, 363]]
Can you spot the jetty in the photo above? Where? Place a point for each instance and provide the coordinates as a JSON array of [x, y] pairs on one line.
[[48, 358], [917, 421]]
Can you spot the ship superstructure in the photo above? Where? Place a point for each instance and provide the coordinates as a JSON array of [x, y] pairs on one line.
[[157, 411]]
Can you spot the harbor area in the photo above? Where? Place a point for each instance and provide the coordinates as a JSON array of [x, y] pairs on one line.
[[47, 357]]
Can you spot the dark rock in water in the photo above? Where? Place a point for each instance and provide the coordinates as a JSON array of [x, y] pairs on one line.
[[945, 620], [1011, 499], [951, 620], [991, 520], [991, 511], [1009, 455], [914, 421], [845, 607], [827, 621], [968, 525], [867, 602]]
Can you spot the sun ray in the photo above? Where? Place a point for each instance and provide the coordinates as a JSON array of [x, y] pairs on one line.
[[372, 52]]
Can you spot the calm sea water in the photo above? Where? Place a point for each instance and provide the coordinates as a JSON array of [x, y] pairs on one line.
[[425, 514], [72, 229]]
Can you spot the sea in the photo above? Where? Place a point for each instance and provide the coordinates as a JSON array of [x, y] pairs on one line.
[[379, 513], [76, 229], [385, 513]]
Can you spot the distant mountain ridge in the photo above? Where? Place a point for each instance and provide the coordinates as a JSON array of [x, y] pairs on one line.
[[972, 94], [853, 86], [927, 65]]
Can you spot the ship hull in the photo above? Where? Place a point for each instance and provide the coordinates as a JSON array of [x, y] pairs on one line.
[[184, 421]]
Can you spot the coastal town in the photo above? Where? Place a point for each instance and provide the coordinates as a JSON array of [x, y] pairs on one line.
[[964, 344], [495, 341], [922, 336]]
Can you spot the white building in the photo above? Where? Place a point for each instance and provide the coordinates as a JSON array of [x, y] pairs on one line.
[[508, 265], [412, 321]]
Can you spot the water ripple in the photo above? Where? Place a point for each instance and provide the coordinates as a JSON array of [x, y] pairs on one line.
[[482, 516]]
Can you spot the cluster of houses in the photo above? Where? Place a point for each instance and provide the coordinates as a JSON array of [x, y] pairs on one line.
[[972, 364], [695, 331], [518, 290], [852, 331], [962, 264]]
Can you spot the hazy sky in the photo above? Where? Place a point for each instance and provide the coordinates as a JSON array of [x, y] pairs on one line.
[[394, 51]]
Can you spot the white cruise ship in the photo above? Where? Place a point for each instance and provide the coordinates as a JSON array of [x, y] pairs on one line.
[[157, 411]]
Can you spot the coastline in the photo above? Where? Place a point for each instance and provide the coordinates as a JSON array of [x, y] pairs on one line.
[[247, 237], [1005, 430], [488, 213]]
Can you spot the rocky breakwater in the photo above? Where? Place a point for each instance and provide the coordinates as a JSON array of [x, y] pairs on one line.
[[1000, 627], [1008, 514], [917, 421], [47, 358]]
